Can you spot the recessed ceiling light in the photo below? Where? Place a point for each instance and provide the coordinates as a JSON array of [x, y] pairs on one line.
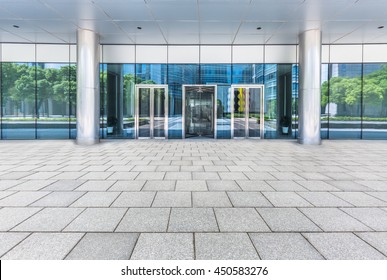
[[16, 26], [139, 27], [259, 28], [381, 27]]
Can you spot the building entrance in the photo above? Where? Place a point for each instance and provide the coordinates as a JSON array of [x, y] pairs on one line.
[[151, 111], [199, 111], [247, 117]]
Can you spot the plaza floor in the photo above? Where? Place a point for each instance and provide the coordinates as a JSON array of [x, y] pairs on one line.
[[193, 199]]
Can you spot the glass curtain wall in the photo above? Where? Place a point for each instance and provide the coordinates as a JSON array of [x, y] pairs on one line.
[[37, 100], [354, 101]]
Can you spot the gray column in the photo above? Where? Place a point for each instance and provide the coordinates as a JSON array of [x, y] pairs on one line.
[[309, 100], [87, 87]]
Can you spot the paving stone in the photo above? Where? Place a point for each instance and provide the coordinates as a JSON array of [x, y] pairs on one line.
[[49, 219], [376, 239], [6, 193], [164, 246], [374, 185], [159, 185], [44, 246], [224, 246], [360, 199], [285, 186], [104, 246], [223, 185], [134, 199], [69, 175], [97, 220], [378, 195], [32, 185], [6, 184], [9, 240], [205, 176], [172, 199], [15, 175], [286, 176], [164, 168], [99, 176], [349, 186], [284, 246], [324, 199], [96, 199], [248, 199], [210, 199], [22, 198], [10, 217], [64, 185], [194, 185], [121, 175], [127, 186], [239, 220], [234, 176], [151, 176], [192, 220], [373, 217], [342, 246], [144, 168], [333, 219], [145, 220], [215, 168], [41, 175], [254, 185], [239, 168], [195, 168], [178, 176], [317, 185], [286, 199], [287, 219], [95, 186], [313, 176], [58, 199]]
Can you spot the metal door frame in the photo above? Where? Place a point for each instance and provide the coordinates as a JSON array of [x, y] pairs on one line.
[[247, 105], [214, 119], [151, 110]]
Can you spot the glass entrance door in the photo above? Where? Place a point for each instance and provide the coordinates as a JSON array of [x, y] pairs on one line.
[[199, 111], [247, 118], [152, 113]]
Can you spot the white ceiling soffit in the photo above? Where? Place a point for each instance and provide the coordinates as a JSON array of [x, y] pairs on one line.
[[186, 22]]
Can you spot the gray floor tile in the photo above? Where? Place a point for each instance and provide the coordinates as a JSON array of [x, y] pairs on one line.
[[145, 220], [375, 185], [378, 195], [127, 186], [9, 240], [49, 219], [222, 185], [104, 246], [286, 176], [96, 199], [159, 185], [333, 219], [6, 193], [376, 239], [6, 184], [194, 185], [285, 186], [69, 175], [373, 217], [97, 220], [254, 185], [205, 175], [151, 176], [342, 246], [192, 220], [224, 246], [284, 246], [239, 220], [210, 199], [248, 199], [134, 199], [324, 199], [64, 185], [360, 199], [172, 199], [122, 175], [94, 175], [164, 246], [22, 198], [287, 219], [178, 176], [96, 186], [286, 199], [234, 175], [10, 217], [44, 246], [58, 199], [349, 186], [317, 185]]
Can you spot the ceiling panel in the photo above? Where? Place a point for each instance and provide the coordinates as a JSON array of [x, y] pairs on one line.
[[227, 11], [174, 9], [100, 26], [225, 27], [7, 37], [183, 38], [32, 9], [126, 10], [57, 26], [225, 39], [24, 26], [180, 27], [155, 38], [267, 27], [112, 38], [250, 39], [78, 11]]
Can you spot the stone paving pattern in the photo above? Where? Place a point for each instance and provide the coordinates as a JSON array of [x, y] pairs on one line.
[[193, 199]]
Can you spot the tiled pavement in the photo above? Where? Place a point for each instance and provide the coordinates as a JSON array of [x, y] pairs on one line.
[[193, 199]]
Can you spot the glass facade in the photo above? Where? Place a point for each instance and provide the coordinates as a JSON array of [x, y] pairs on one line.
[[38, 100], [354, 101]]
